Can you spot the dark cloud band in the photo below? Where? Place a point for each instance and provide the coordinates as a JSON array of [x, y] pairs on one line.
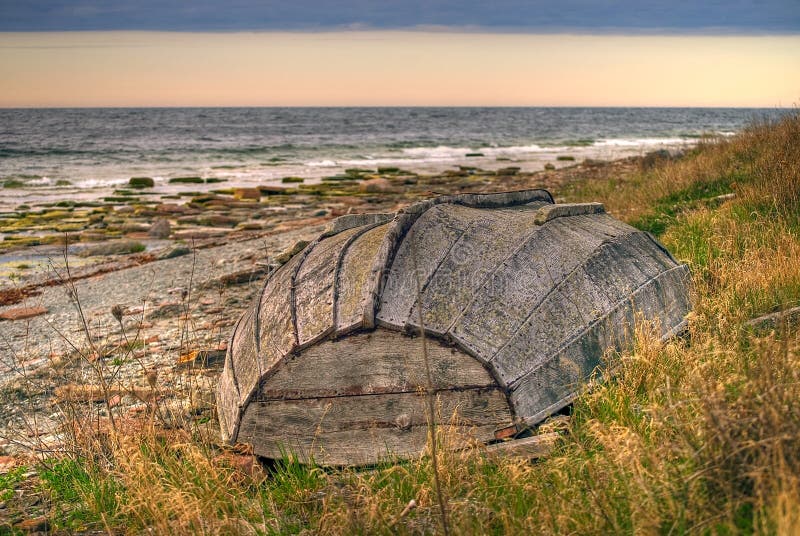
[[626, 16]]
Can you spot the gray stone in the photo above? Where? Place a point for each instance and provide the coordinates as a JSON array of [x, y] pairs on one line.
[[160, 228]]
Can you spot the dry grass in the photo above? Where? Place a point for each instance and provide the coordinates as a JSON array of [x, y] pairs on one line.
[[697, 435]]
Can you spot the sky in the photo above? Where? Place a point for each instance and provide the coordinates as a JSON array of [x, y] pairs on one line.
[[433, 52]]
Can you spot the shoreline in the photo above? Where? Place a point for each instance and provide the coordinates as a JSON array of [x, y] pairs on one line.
[[35, 191]]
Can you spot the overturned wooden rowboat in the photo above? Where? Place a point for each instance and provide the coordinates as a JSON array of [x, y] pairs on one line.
[[520, 299]]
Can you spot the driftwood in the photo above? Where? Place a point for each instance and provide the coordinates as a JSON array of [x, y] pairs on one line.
[[521, 298]]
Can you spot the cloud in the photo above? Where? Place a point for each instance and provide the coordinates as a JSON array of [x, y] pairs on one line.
[[540, 16]]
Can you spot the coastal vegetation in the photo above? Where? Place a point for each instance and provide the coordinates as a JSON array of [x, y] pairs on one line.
[[697, 434]]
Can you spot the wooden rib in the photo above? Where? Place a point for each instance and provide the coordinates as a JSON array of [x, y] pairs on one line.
[[350, 221], [564, 210]]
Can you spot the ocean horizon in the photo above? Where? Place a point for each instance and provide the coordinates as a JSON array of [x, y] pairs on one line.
[[89, 153]]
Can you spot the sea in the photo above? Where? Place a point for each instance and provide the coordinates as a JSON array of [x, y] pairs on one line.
[[48, 155]]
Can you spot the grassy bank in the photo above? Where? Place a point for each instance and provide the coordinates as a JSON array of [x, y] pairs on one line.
[[698, 435]]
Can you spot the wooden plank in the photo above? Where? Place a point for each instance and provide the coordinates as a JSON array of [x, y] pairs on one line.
[[483, 245], [313, 288], [547, 388], [525, 277], [403, 221], [563, 210], [378, 273], [425, 246], [583, 296], [364, 429], [497, 199], [381, 361], [227, 396], [529, 448], [352, 292], [350, 221], [276, 335], [246, 366]]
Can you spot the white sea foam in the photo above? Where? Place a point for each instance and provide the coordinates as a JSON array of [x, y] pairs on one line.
[[41, 181], [643, 142], [444, 152], [447, 153], [100, 183]]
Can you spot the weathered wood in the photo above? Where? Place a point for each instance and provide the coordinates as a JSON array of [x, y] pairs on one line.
[[276, 334], [350, 221], [551, 212], [581, 297], [478, 251], [407, 217], [353, 294], [227, 403], [246, 364], [529, 448], [524, 278], [313, 296], [365, 429], [424, 247], [522, 299], [558, 378], [372, 363]]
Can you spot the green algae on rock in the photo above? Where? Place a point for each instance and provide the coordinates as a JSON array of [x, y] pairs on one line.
[[141, 182]]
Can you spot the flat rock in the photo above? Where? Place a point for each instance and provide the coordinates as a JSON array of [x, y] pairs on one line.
[[175, 251], [247, 193], [114, 247], [238, 277]]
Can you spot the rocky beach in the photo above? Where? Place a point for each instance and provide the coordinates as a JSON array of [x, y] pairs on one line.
[[134, 287]]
